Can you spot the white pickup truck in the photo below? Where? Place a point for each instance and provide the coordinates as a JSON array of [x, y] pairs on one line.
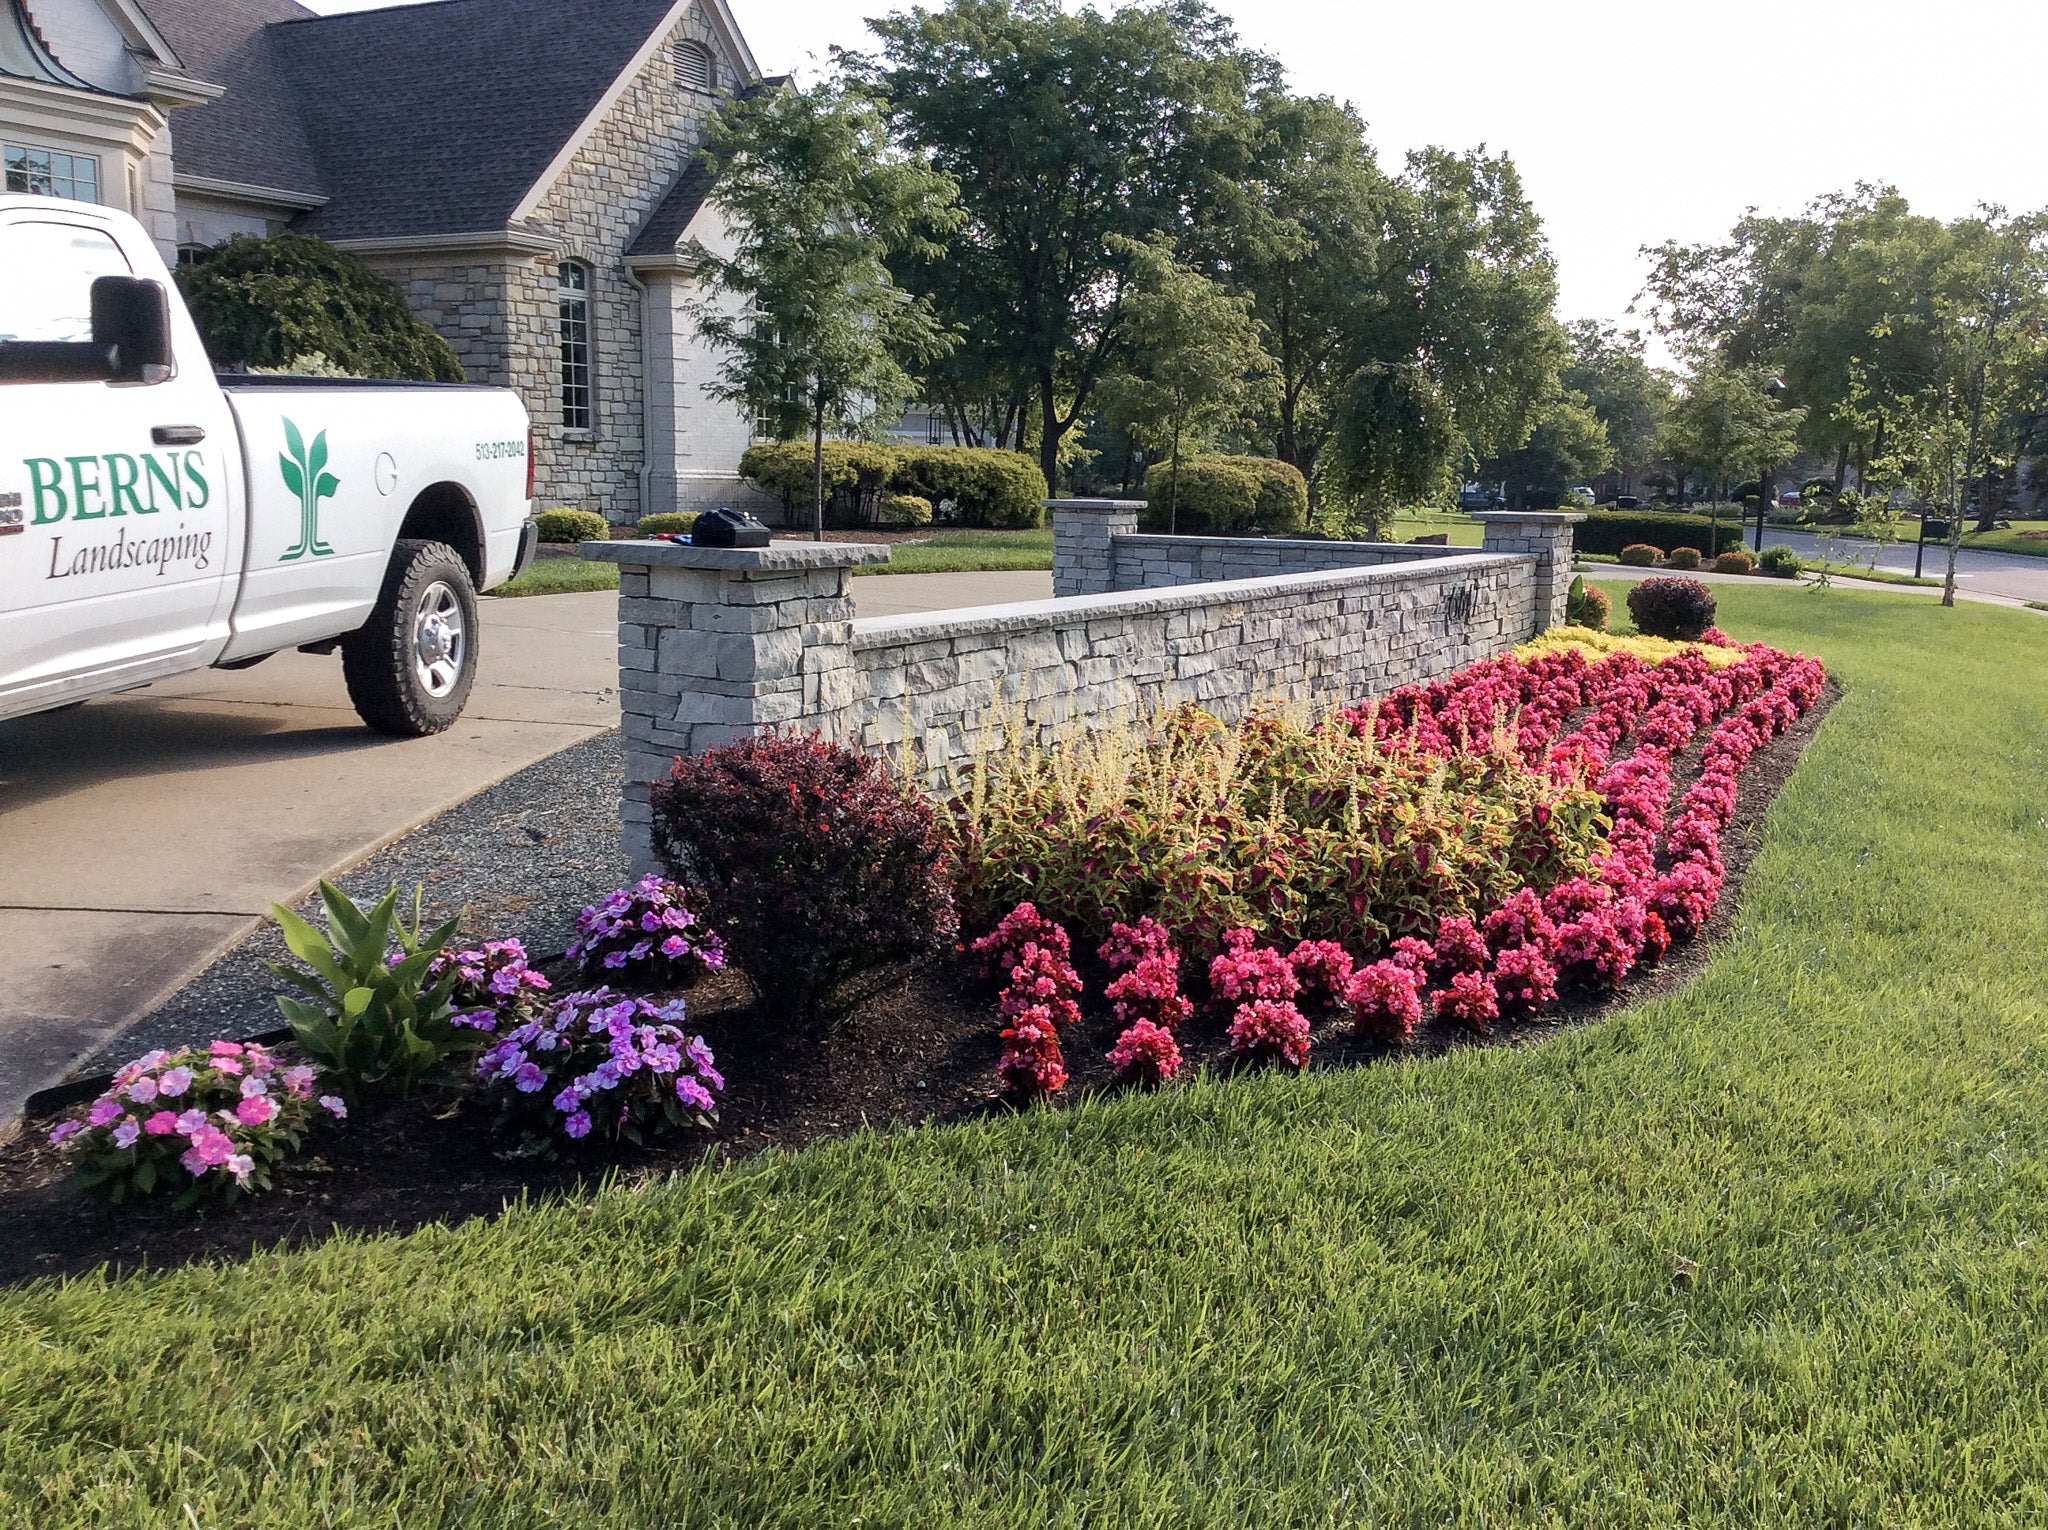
[[156, 519]]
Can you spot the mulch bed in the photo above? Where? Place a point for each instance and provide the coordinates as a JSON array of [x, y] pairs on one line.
[[924, 1053]]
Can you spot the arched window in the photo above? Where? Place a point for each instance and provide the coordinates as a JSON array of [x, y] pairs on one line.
[[573, 283], [695, 68]]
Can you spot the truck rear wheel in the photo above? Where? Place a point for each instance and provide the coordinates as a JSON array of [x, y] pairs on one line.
[[410, 667]]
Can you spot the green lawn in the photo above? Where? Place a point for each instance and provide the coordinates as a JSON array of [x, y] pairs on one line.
[[2023, 538], [559, 574], [1765, 1253], [957, 552]]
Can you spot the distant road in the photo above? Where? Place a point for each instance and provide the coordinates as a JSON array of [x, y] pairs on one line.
[[1987, 573]]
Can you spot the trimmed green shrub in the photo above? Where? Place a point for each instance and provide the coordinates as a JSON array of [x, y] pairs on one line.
[[906, 510], [856, 474], [1780, 562], [1640, 555], [1609, 531], [263, 302], [1586, 605], [1737, 562], [571, 525], [985, 486], [666, 523], [1228, 496], [1680, 609], [1684, 557]]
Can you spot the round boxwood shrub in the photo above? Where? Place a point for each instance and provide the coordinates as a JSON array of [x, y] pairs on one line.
[[1680, 609], [262, 302], [666, 523], [1587, 605], [571, 525], [1735, 563], [906, 510], [1228, 496], [820, 873], [1683, 557], [1780, 562], [856, 473], [1640, 555], [974, 485]]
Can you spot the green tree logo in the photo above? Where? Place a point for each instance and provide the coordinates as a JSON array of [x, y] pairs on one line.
[[306, 476]]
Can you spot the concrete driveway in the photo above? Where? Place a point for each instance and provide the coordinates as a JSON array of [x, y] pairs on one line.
[[142, 835]]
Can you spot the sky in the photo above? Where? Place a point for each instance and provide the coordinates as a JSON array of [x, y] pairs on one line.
[[1634, 123]]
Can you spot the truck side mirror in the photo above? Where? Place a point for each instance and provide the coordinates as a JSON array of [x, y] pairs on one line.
[[131, 325]]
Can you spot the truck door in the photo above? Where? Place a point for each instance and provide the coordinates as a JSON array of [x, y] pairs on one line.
[[115, 499]]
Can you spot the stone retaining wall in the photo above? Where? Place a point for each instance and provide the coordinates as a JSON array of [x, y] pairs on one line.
[[718, 643]]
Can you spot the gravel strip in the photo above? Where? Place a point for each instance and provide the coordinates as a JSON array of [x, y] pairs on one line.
[[522, 858]]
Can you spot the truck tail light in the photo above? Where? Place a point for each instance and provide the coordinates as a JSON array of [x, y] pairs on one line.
[[529, 462]]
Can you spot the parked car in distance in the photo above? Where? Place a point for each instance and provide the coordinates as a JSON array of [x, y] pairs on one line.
[[1477, 496]]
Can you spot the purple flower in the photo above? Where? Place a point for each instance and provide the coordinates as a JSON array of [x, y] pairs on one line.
[[143, 1090], [191, 1123], [103, 1110], [529, 1079], [64, 1131], [334, 1106], [125, 1134], [568, 1100], [615, 961], [674, 947], [255, 1086], [693, 1094], [174, 1082], [299, 1080], [578, 1125]]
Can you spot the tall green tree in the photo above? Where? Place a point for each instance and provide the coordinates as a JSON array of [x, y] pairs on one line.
[[1305, 242], [1463, 351], [1628, 395], [1566, 442], [1192, 359], [1063, 129], [813, 332], [1727, 423]]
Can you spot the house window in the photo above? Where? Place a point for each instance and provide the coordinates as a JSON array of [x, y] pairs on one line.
[[574, 281], [51, 172], [695, 69]]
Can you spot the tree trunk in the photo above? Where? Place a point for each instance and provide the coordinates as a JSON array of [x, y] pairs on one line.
[[1841, 467], [818, 473], [1955, 520], [1049, 432], [1173, 486]]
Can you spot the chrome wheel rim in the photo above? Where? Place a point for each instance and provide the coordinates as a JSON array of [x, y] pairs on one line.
[[440, 641]]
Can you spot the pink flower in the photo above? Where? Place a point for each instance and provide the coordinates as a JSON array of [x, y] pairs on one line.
[[256, 1110], [1145, 1055], [191, 1123], [228, 1066], [1470, 1001], [64, 1131], [103, 1110], [1385, 1000], [210, 1149], [226, 1049], [334, 1105], [241, 1166], [1271, 1030], [162, 1124], [174, 1082], [143, 1090]]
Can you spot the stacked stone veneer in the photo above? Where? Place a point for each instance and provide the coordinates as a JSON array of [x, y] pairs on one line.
[[718, 643]]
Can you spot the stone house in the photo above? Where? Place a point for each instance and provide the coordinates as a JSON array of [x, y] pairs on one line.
[[524, 169]]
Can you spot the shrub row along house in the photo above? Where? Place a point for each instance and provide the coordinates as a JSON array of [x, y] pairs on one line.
[[524, 169]]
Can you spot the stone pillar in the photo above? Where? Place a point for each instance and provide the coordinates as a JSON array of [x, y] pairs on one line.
[[1083, 556], [1547, 534], [719, 642]]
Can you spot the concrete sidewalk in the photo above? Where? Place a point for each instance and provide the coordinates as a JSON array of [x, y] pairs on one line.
[[142, 835]]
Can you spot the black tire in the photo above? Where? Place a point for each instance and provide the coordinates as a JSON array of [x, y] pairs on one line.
[[406, 680]]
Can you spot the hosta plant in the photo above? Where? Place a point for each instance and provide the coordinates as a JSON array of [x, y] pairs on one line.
[[599, 1065], [200, 1121], [373, 1020], [646, 934]]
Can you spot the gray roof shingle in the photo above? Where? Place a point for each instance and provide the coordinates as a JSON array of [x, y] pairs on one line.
[[253, 134], [665, 225], [438, 118]]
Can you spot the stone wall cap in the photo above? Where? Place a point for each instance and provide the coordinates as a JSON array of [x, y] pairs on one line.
[[1098, 506], [1536, 517], [1390, 550], [777, 557], [1070, 610]]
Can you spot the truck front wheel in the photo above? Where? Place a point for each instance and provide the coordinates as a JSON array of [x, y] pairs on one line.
[[410, 667]]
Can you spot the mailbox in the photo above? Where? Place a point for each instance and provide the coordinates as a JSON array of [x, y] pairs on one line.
[[728, 528]]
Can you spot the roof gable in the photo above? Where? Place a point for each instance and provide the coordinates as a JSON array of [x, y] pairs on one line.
[[254, 134], [443, 118]]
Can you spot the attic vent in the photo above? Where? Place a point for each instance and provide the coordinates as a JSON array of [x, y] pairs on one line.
[[694, 67]]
